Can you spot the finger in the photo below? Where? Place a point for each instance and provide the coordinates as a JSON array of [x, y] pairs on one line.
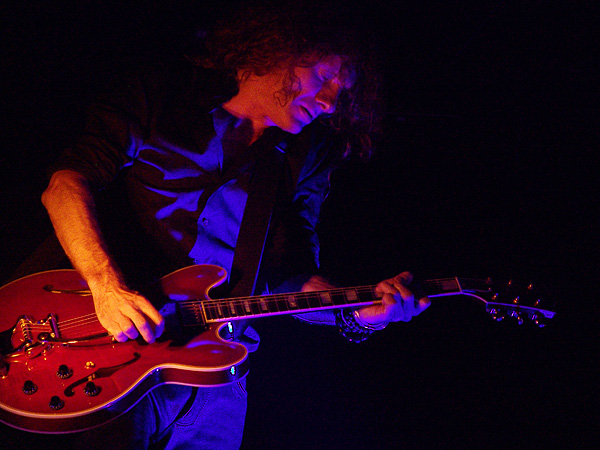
[[146, 331], [160, 328], [153, 321], [119, 336], [397, 308], [385, 287], [114, 327], [410, 305], [123, 330], [316, 283], [140, 324], [399, 304], [130, 330], [423, 304], [401, 282], [395, 285], [405, 278]]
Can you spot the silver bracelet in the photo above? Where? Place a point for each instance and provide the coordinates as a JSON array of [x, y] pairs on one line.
[[368, 326]]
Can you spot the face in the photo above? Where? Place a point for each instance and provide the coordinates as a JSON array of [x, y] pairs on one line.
[[315, 92]]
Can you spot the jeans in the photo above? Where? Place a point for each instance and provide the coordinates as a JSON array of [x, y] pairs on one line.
[[177, 417]]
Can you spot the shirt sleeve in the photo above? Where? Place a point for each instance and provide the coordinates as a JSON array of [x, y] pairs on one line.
[[114, 128]]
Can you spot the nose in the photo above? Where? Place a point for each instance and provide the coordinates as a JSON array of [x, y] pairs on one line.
[[327, 97]]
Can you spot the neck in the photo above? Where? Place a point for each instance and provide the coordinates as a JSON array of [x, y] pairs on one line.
[[252, 128]]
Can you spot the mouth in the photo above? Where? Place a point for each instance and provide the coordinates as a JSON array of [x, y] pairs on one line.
[[308, 113]]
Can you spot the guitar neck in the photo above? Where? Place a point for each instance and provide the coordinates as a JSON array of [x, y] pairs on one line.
[[293, 303], [221, 310]]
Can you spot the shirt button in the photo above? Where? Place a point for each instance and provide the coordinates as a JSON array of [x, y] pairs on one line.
[[204, 222]]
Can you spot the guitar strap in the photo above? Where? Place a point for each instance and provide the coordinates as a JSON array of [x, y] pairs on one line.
[[252, 236]]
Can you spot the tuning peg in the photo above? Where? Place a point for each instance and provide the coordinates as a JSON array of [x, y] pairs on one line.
[[517, 315], [496, 314], [538, 320]]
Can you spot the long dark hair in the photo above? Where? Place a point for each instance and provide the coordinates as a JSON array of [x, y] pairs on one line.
[[260, 38]]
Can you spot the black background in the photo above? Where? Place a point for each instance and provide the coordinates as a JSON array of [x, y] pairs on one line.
[[485, 170]]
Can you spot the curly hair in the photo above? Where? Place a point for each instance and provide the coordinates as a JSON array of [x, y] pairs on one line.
[[262, 38]]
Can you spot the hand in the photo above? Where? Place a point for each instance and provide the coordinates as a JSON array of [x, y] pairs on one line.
[[317, 283], [125, 314], [398, 302]]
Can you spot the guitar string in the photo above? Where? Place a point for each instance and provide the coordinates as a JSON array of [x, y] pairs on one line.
[[91, 318], [255, 299], [245, 303]]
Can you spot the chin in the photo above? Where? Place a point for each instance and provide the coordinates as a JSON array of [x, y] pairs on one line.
[[295, 127]]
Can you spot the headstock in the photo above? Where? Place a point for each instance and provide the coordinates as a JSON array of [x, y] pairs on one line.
[[509, 300], [502, 300]]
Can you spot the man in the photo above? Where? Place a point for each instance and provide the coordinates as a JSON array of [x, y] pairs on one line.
[[160, 178]]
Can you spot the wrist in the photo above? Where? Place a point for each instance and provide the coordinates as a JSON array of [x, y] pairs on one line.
[[351, 329], [369, 326], [105, 278]]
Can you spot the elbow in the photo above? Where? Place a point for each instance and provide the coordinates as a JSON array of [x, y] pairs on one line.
[[48, 195], [60, 183]]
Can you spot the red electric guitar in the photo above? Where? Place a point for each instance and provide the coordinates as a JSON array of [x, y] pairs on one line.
[[60, 372]]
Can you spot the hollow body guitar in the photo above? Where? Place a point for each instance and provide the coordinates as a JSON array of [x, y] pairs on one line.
[[60, 372]]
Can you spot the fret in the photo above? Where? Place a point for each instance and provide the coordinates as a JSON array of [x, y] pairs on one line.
[[351, 295], [281, 303], [367, 295], [264, 307], [216, 311], [302, 301], [442, 286], [239, 308], [313, 300], [325, 297], [231, 306], [208, 312], [291, 301], [247, 309], [255, 306], [272, 304], [339, 298]]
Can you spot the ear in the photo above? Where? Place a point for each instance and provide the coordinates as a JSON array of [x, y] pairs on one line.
[[243, 75]]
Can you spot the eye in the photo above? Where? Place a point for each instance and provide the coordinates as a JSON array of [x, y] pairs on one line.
[[326, 76]]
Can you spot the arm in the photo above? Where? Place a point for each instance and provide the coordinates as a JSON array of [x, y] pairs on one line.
[[70, 205]]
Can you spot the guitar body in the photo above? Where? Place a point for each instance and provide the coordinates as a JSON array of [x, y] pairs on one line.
[[62, 373]]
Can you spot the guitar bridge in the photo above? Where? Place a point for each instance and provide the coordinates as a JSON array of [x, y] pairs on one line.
[[30, 338]]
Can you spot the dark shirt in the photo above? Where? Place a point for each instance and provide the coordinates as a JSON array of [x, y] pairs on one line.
[[174, 191]]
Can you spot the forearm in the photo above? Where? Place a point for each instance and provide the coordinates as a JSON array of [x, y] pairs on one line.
[[121, 311], [70, 205]]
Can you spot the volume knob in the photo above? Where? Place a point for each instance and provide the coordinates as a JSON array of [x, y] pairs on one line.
[[91, 390], [29, 387], [64, 372], [56, 403]]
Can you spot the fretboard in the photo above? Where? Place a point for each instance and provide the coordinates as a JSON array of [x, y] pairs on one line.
[[277, 304], [220, 310]]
